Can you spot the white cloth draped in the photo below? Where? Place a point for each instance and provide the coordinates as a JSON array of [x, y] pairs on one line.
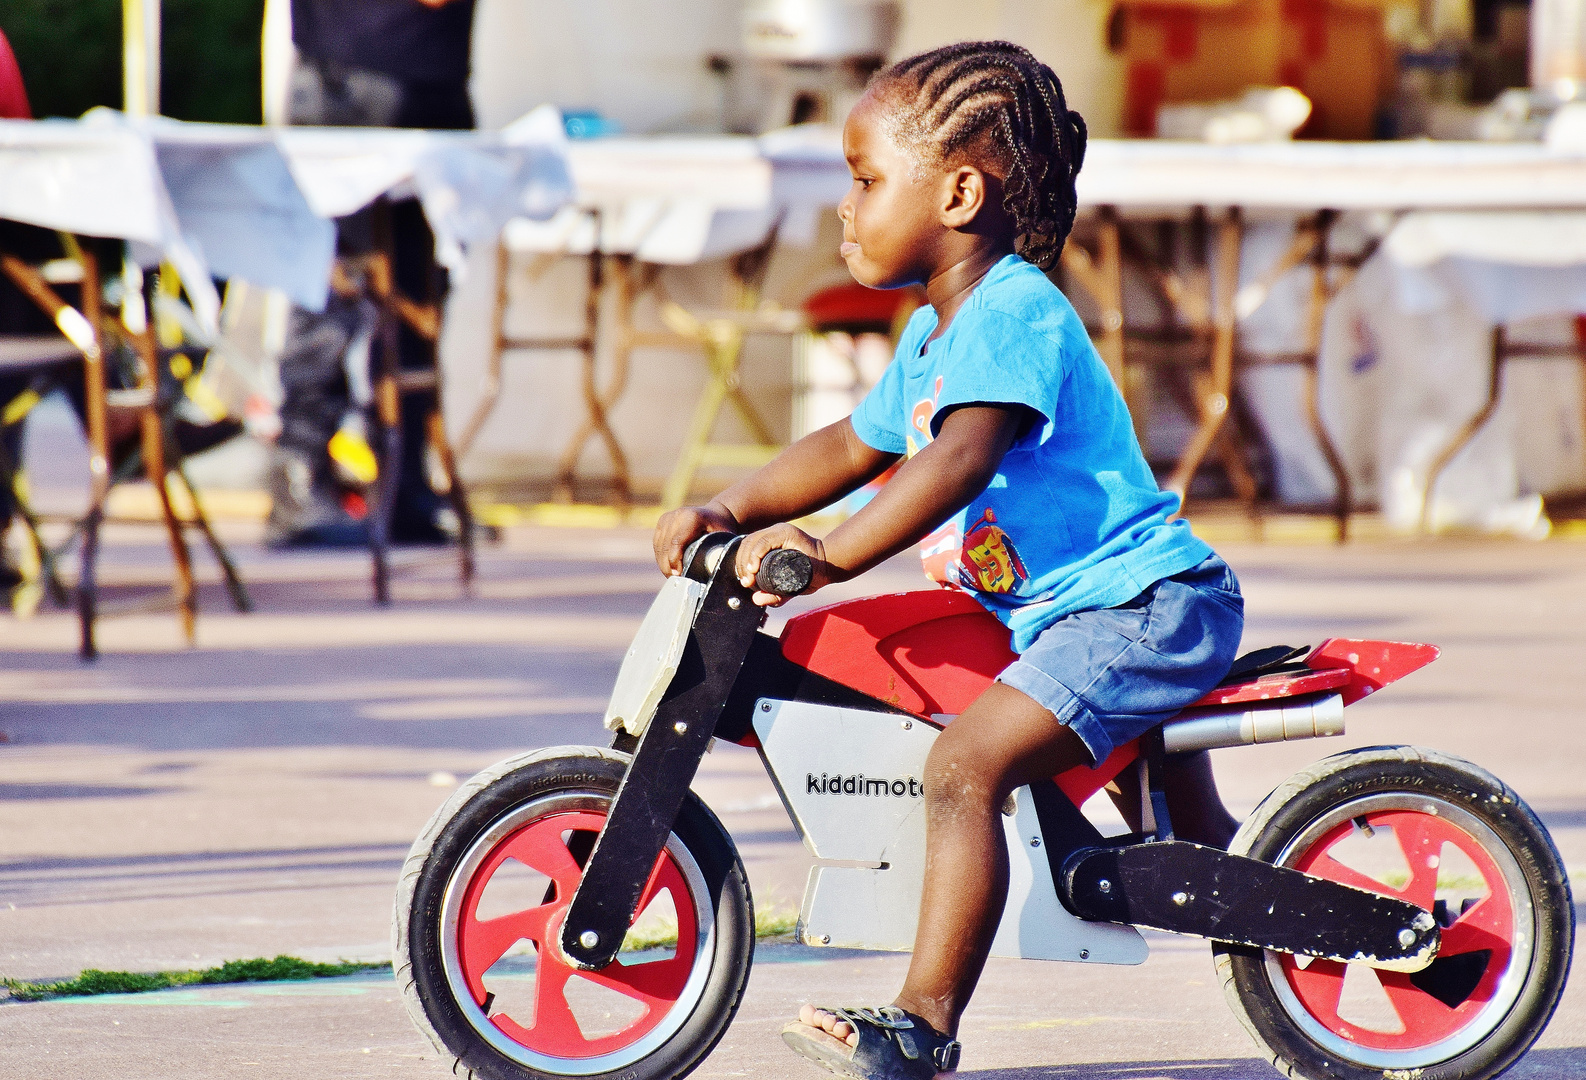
[[257, 203]]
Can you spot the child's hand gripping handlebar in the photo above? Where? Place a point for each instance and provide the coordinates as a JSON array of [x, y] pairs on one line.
[[783, 572]]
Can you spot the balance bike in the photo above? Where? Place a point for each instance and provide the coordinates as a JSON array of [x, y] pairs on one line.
[[523, 931]]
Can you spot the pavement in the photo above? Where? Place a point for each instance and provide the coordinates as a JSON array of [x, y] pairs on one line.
[[168, 807]]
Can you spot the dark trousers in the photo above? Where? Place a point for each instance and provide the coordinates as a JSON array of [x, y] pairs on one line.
[[312, 372]]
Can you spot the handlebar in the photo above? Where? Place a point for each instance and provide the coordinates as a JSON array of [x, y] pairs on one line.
[[784, 572]]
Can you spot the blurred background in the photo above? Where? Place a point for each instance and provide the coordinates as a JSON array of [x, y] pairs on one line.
[[1400, 346]]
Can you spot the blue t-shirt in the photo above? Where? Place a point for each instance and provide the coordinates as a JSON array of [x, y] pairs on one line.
[[1073, 519]]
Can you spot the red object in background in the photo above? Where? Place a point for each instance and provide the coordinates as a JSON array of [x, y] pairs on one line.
[[1147, 86], [1310, 17], [854, 305], [1181, 29], [13, 94]]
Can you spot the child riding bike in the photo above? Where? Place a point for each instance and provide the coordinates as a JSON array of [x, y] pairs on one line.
[[1021, 465]]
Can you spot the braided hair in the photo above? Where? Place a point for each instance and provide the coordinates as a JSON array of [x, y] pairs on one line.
[[993, 104]]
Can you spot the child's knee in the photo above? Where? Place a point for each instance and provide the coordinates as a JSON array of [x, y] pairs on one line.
[[957, 777]]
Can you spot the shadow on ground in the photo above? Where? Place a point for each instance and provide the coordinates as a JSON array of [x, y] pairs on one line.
[[1562, 1063]]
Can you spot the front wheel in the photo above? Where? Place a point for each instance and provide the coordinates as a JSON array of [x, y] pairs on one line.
[[1450, 838], [479, 912]]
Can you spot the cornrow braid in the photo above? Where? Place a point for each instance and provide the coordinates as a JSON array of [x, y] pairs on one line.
[[992, 103]]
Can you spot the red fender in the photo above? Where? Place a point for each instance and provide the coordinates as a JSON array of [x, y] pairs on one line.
[[930, 652], [1371, 664], [933, 652]]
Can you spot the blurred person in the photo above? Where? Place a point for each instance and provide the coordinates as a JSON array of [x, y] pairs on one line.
[[365, 63]]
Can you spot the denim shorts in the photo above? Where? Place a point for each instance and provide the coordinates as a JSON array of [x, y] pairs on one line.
[[1112, 674]]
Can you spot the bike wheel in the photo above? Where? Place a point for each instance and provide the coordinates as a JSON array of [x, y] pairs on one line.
[[479, 911], [1448, 837]]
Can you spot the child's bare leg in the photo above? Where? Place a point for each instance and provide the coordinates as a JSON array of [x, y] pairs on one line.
[[1193, 803], [1001, 742]]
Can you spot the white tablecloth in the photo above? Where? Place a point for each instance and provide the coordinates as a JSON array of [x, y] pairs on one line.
[[1406, 355], [680, 200], [256, 203], [1147, 174]]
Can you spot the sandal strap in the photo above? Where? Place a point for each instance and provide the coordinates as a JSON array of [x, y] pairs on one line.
[[914, 1037]]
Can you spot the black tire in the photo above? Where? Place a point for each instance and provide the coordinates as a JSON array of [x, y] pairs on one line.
[[1510, 990], [485, 815]]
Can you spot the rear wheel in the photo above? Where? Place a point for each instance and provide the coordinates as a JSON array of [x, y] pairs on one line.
[[480, 909], [1450, 838]]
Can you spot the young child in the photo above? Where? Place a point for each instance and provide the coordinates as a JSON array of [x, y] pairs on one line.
[[1025, 482]]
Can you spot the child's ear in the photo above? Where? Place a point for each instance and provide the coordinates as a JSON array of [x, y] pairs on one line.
[[963, 196]]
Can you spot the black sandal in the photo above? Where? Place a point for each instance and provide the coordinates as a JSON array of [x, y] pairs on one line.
[[893, 1045]]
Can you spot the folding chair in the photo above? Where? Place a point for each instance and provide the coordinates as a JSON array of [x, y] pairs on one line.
[[148, 403], [721, 335], [373, 276], [1504, 349]]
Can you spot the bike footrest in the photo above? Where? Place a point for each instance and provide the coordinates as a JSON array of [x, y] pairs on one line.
[[1189, 889]]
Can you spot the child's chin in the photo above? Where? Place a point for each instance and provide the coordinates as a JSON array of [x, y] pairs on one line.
[[868, 276]]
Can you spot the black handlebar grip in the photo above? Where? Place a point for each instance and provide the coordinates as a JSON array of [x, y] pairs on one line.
[[784, 572]]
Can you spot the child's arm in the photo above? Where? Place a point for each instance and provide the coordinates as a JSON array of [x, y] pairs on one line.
[[811, 474], [931, 487]]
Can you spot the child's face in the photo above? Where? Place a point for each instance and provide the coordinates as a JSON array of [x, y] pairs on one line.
[[891, 218]]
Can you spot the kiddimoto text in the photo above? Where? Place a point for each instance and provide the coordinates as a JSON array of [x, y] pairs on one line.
[[862, 785]]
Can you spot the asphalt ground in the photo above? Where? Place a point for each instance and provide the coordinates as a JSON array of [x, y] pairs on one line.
[[169, 807]]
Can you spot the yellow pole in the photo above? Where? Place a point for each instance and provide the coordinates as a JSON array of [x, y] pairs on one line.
[[140, 57]]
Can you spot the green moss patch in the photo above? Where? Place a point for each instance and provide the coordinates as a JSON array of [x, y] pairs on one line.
[[94, 981], [770, 924]]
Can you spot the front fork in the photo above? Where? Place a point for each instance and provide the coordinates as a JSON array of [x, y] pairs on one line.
[[665, 760]]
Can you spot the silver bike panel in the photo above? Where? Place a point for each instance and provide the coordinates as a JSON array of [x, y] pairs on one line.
[[653, 656], [865, 892]]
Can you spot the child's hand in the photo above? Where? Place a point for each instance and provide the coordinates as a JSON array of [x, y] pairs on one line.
[[680, 528], [756, 546]]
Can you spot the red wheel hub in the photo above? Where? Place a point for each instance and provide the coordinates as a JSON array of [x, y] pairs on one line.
[[1487, 928], [555, 1030]]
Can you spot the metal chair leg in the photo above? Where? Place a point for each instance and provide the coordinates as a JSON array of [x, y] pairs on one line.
[[499, 345], [1214, 402], [87, 585], [1321, 292], [1467, 432], [234, 585], [456, 494]]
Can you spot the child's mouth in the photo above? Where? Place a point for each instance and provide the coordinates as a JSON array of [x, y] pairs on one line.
[[848, 248]]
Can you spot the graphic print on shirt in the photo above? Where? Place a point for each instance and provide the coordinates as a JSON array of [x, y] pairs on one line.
[[920, 421], [990, 562], [939, 554], [939, 550]]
